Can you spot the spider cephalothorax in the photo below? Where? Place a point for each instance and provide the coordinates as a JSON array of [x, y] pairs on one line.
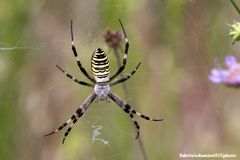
[[102, 83], [102, 91]]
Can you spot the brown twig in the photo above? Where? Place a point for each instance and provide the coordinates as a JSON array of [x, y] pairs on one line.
[[113, 40]]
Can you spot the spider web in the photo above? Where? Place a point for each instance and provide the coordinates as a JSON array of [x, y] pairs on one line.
[[177, 43]]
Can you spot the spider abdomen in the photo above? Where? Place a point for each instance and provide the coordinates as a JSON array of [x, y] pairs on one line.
[[102, 91], [100, 66]]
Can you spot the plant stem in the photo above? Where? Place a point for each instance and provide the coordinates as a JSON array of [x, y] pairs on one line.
[[115, 50], [125, 89], [235, 6]]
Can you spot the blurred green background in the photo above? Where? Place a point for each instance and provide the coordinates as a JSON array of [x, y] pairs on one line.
[[177, 41]]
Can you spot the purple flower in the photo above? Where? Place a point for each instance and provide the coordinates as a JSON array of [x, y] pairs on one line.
[[230, 61], [229, 76]]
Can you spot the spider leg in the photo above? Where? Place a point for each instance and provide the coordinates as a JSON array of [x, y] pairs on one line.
[[116, 99], [78, 60], [62, 126], [74, 79], [128, 109], [78, 113], [125, 78], [69, 129], [125, 54], [136, 125]]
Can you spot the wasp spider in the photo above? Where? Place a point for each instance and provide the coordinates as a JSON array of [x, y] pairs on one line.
[[102, 83]]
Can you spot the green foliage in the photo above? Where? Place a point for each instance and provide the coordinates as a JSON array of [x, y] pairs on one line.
[[14, 20], [235, 31]]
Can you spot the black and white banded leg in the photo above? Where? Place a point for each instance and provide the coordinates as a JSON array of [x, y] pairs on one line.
[[128, 109], [136, 125], [74, 79], [78, 113], [78, 60], [127, 77], [125, 54], [71, 126]]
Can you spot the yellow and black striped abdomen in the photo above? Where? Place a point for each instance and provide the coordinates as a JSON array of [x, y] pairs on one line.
[[100, 66]]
